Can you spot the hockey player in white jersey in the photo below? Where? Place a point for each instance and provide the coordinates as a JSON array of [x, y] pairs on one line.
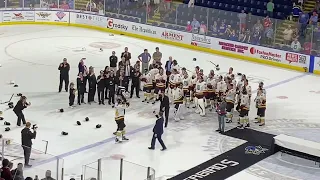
[[120, 111], [244, 110], [186, 83], [199, 97], [233, 82], [178, 102], [147, 87], [192, 86], [174, 79], [211, 91], [239, 91], [230, 99], [160, 84], [175, 66], [230, 73], [221, 88], [248, 88], [260, 105]]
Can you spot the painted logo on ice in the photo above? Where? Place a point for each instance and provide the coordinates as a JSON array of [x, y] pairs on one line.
[[255, 150]]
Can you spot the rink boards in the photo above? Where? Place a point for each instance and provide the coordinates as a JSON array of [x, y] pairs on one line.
[[237, 50]]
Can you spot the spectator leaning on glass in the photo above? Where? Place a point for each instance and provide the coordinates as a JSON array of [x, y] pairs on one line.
[[296, 46], [287, 35], [145, 58], [243, 19], [270, 8], [195, 25], [203, 28], [303, 22], [314, 19], [296, 10]]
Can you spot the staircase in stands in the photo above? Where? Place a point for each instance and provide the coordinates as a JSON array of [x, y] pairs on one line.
[[308, 6]]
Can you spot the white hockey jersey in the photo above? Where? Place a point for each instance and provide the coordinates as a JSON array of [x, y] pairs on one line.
[[212, 82], [147, 79], [177, 95], [200, 87], [120, 111], [231, 95], [222, 87], [161, 80], [186, 83], [248, 88], [177, 67], [153, 73], [245, 102], [228, 75], [234, 83], [261, 101], [240, 85], [174, 79]]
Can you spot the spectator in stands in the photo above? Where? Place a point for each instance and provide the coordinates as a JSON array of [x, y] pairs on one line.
[[18, 172], [215, 29], [296, 10], [44, 4], [243, 19], [195, 25], [54, 5], [203, 28], [189, 27], [317, 7], [296, 46], [222, 29], [314, 19], [48, 176], [250, 20], [270, 8], [91, 6], [303, 22], [233, 36], [64, 5], [300, 2], [307, 47], [247, 36], [316, 36], [157, 56], [256, 37], [191, 3], [100, 8], [162, 9], [258, 26], [295, 34], [168, 4], [267, 23], [5, 170], [287, 35], [269, 36], [242, 35], [228, 31]]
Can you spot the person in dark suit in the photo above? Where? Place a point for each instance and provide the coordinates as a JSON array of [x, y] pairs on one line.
[[81, 88], [165, 107], [64, 69], [84, 70], [157, 132], [135, 83], [26, 141], [92, 85], [101, 86], [18, 110], [112, 88], [127, 74], [126, 54]]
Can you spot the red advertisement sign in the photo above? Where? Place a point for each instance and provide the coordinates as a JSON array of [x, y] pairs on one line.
[[172, 35], [233, 47]]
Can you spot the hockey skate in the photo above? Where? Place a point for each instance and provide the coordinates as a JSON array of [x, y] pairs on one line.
[[257, 120], [125, 138], [240, 126]]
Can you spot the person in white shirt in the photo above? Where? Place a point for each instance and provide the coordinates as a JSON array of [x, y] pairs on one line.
[[296, 46], [178, 102]]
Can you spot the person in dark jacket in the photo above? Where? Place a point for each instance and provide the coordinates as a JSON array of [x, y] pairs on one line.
[[92, 85], [165, 107], [101, 86], [126, 54], [26, 141], [167, 67], [127, 74], [72, 95], [18, 110], [135, 83], [6, 172], [221, 110], [18, 172], [84, 70], [64, 69], [121, 63], [112, 88], [80, 88], [106, 74], [157, 132], [113, 61]]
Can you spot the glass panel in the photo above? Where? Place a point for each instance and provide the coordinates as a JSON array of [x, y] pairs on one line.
[[13, 3], [40, 161], [110, 168], [81, 4], [134, 10], [2, 4], [90, 171]]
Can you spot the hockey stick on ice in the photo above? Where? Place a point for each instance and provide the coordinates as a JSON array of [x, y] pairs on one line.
[[8, 101]]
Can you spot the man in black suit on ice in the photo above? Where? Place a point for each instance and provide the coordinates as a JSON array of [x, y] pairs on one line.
[[157, 132], [165, 107]]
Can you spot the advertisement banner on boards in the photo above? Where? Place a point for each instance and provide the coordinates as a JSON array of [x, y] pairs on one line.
[[18, 16], [43, 16], [263, 53], [61, 16], [201, 40], [89, 19]]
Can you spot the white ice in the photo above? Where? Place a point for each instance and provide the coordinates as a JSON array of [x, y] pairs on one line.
[[30, 56]]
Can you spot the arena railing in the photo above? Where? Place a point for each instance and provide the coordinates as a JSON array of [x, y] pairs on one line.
[[117, 169], [176, 16], [41, 161]]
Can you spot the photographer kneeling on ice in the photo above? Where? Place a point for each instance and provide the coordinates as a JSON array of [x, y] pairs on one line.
[[26, 137]]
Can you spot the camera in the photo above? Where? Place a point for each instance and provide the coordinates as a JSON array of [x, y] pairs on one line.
[[34, 127]]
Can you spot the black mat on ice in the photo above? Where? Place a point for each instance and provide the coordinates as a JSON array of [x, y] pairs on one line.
[[235, 160]]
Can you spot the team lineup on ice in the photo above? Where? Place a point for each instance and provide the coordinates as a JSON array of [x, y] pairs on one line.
[[258, 97]]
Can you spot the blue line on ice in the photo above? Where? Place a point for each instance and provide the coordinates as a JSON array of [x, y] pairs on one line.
[[111, 139]]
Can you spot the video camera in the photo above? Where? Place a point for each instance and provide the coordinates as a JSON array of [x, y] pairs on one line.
[[34, 127]]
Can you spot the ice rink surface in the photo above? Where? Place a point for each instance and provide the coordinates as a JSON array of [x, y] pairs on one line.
[[30, 56]]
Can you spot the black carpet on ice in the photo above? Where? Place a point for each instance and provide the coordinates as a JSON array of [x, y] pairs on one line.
[[258, 147]]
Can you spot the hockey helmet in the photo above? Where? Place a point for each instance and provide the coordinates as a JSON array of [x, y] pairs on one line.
[[261, 84]]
